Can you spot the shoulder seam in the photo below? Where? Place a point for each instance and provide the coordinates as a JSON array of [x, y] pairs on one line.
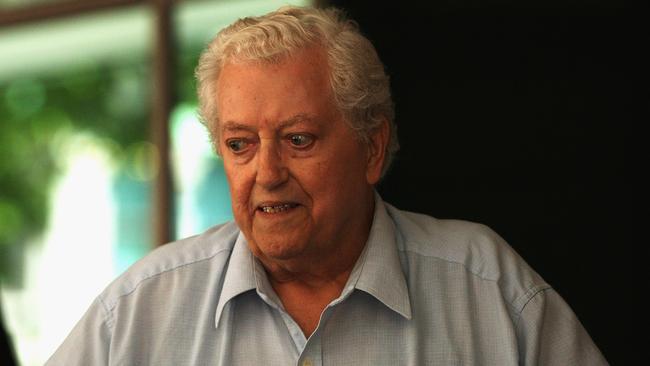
[[468, 269], [524, 299], [140, 281]]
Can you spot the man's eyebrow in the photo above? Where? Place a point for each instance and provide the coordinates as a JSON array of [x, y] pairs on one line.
[[298, 118], [235, 126]]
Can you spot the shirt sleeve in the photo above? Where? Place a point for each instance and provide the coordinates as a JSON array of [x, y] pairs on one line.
[[550, 334], [88, 343]]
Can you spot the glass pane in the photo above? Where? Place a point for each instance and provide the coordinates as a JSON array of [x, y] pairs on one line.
[[76, 168], [202, 199]]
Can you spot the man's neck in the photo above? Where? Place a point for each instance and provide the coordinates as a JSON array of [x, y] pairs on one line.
[[308, 282], [306, 301], [310, 272], [306, 285]]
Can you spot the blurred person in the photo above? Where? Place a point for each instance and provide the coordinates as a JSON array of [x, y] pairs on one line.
[[316, 268]]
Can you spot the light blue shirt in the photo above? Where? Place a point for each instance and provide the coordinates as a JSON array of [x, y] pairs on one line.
[[423, 292]]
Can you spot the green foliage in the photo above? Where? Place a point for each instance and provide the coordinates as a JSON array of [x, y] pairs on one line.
[[185, 82], [107, 100]]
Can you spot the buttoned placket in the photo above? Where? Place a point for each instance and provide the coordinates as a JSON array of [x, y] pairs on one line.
[[312, 354]]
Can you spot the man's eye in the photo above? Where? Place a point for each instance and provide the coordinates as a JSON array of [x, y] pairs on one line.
[[300, 140], [237, 145]]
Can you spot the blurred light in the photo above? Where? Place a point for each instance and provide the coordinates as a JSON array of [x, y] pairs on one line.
[[202, 196], [143, 161], [191, 145], [74, 262]]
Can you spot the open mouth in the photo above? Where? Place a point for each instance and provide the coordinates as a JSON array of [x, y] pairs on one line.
[[277, 208]]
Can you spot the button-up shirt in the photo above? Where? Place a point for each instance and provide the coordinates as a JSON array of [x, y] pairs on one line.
[[423, 292]]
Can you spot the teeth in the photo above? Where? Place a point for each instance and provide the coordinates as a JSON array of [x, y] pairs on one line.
[[275, 209]]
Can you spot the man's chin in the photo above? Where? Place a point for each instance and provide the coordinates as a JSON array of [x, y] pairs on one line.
[[282, 252], [280, 241], [278, 250]]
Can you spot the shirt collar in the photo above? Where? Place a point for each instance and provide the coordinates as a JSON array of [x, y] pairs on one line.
[[240, 275], [380, 270], [377, 272]]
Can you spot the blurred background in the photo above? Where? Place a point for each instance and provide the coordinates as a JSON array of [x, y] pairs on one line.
[[521, 117]]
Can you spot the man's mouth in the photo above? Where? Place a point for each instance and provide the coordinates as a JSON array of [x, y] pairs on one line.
[[276, 208]]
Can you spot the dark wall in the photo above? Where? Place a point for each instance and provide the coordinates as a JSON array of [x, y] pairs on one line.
[[523, 119]]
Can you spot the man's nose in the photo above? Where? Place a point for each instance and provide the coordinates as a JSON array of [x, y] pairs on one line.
[[271, 169]]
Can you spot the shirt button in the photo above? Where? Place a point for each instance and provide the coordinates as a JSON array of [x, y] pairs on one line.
[[307, 362]]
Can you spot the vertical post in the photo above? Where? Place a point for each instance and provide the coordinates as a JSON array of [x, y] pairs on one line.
[[161, 108]]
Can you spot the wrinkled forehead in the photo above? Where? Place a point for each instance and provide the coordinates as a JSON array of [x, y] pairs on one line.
[[297, 85]]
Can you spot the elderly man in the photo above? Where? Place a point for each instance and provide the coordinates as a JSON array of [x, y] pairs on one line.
[[317, 269]]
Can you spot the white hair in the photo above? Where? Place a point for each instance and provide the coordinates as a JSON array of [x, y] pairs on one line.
[[360, 86]]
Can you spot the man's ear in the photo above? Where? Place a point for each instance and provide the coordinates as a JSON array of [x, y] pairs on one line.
[[377, 152]]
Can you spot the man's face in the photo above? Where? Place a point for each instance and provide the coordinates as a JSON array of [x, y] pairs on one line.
[[299, 177]]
